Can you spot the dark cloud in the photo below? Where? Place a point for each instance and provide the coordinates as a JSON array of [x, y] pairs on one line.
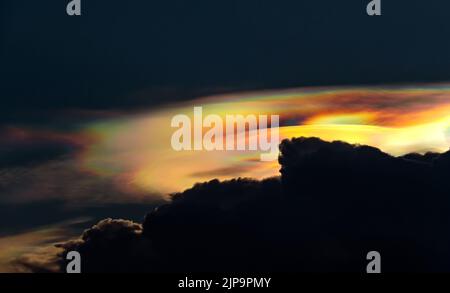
[[425, 158], [333, 203], [112, 242], [42, 185], [15, 217], [29, 231]]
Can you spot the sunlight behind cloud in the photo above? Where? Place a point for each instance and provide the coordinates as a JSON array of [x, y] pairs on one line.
[[396, 119]]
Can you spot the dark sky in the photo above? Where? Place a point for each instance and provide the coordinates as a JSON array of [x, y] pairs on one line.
[[137, 53]]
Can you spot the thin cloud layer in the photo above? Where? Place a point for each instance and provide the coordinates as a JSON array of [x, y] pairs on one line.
[[396, 119]]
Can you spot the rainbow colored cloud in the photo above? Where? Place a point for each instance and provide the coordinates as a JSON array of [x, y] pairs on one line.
[[136, 150]]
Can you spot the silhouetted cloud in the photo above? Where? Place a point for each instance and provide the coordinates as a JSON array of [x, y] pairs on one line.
[[333, 203], [110, 243]]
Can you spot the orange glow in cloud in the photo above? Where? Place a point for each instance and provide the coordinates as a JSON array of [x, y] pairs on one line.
[[396, 119]]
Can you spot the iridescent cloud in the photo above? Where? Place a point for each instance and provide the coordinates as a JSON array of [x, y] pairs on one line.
[[396, 119]]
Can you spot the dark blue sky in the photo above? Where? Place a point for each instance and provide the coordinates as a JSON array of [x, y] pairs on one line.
[[118, 52]]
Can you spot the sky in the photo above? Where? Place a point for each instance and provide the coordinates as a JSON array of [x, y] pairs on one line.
[[123, 55], [86, 102]]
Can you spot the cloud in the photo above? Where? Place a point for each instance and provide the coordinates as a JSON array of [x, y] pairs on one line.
[[225, 171], [39, 165], [43, 260], [61, 179], [42, 185], [30, 230], [111, 243], [34, 250], [25, 147], [333, 203], [395, 119]]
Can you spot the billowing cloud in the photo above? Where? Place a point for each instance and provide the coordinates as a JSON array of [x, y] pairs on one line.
[[333, 203]]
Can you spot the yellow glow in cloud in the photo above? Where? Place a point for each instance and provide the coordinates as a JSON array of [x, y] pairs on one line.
[[397, 120]]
